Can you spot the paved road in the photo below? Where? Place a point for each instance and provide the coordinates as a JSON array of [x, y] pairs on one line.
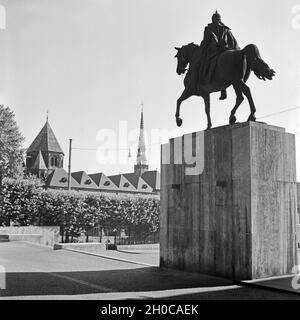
[[35, 272]]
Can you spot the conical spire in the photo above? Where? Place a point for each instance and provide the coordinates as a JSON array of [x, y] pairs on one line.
[[142, 120], [141, 152], [45, 141]]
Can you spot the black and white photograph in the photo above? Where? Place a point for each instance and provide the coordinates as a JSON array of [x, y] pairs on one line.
[[149, 151]]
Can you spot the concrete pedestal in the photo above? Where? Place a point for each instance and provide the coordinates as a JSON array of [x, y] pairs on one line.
[[235, 214]]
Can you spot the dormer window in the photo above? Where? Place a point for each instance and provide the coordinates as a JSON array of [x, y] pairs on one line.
[[63, 180], [126, 185], [88, 181], [107, 183], [144, 186]]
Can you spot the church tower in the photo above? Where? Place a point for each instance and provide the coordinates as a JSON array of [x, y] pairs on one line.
[[44, 154], [141, 160]]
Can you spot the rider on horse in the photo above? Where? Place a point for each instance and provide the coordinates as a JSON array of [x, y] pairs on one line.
[[217, 39]]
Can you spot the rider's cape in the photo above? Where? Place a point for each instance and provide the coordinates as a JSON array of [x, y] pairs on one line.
[[216, 40]]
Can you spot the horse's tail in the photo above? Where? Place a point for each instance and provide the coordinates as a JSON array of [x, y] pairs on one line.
[[256, 63]]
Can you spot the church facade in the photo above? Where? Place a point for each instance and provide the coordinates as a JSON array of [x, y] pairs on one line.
[[45, 159]]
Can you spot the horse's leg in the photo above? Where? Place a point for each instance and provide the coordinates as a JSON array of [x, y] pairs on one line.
[[207, 109], [239, 100], [185, 95], [246, 91]]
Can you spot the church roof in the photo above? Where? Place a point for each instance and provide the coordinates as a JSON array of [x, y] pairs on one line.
[[45, 141], [39, 163]]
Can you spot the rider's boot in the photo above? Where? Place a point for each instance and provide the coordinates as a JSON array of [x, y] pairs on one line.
[[223, 95]]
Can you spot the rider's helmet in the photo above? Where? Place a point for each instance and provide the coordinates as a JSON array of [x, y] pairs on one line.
[[216, 17]]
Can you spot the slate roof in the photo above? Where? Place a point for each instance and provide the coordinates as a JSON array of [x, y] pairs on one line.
[[45, 141], [152, 178], [58, 178], [138, 182], [103, 182], [84, 180], [122, 183], [39, 163], [128, 182]]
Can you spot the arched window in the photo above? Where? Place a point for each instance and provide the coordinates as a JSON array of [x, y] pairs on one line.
[[56, 162], [52, 162]]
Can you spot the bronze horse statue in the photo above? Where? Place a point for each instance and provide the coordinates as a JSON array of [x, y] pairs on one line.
[[233, 67]]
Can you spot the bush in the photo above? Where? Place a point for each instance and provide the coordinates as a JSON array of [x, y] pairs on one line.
[[26, 202]]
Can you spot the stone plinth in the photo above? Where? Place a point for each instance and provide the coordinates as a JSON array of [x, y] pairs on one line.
[[235, 215]]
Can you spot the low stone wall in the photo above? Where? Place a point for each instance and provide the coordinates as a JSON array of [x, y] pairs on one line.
[[36, 234], [92, 247], [150, 246]]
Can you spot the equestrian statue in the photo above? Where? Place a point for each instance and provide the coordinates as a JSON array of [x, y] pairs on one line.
[[217, 64]]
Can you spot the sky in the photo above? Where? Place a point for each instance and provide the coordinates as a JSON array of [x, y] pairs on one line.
[[91, 63]]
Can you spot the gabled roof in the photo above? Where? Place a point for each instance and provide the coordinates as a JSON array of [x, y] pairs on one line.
[[115, 179], [133, 178], [122, 183], [138, 182], [59, 178], [39, 163], [152, 178], [143, 186], [84, 180], [102, 181], [45, 141]]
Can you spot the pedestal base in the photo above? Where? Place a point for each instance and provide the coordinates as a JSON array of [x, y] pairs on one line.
[[236, 216]]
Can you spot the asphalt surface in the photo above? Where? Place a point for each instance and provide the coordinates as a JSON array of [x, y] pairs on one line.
[[35, 272]]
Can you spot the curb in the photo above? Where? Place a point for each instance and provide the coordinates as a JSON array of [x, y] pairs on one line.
[[264, 287], [113, 258]]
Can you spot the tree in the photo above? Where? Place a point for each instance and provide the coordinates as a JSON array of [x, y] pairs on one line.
[[11, 154]]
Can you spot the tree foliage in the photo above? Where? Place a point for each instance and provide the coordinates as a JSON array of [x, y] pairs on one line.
[[26, 202], [11, 155]]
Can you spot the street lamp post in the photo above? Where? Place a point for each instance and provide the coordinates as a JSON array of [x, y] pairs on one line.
[[115, 237]]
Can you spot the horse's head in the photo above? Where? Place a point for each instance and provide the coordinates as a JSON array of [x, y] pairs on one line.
[[182, 60], [183, 57]]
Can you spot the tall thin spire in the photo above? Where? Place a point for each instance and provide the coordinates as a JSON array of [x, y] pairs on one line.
[[141, 160], [47, 115], [142, 117]]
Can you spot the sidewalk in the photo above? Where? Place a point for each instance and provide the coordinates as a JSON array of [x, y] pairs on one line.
[[281, 283], [150, 257], [142, 257]]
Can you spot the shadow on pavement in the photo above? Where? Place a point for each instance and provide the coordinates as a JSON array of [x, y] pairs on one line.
[[136, 280], [89, 282]]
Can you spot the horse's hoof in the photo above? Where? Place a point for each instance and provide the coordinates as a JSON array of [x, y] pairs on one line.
[[232, 120], [251, 118], [178, 121]]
